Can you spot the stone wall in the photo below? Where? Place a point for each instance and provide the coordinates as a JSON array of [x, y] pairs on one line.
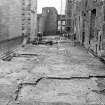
[[10, 19], [17, 17], [17, 20], [69, 13], [33, 33], [89, 24], [51, 22], [48, 21]]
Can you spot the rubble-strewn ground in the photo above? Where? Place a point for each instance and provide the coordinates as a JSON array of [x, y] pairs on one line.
[[61, 74]]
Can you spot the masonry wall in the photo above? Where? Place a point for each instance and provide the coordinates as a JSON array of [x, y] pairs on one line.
[[89, 24], [17, 20], [10, 19], [33, 33], [42, 21], [48, 21], [16, 16], [69, 15], [51, 21]]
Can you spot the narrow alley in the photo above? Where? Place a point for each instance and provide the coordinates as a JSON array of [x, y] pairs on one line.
[[52, 52], [51, 75]]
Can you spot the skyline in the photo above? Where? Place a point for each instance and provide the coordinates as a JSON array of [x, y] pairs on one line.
[[51, 3]]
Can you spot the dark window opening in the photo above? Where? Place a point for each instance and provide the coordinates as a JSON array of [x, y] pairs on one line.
[[68, 29], [83, 37], [84, 14], [104, 12], [92, 23]]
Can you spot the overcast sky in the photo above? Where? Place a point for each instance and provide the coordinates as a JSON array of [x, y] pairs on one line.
[[51, 3]]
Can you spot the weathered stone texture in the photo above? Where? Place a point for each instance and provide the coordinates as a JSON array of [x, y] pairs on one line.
[[33, 19], [41, 23], [89, 24], [17, 21], [69, 13], [61, 22], [12, 19], [48, 21]]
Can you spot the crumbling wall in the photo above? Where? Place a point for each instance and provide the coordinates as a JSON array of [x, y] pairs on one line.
[[33, 33], [42, 21], [15, 17], [48, 21], [91, 31], [17, 20], [10, 19], [29, 18], [51, 21], [69, 9]]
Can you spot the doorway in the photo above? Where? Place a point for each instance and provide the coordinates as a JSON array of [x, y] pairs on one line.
[[92, 24]]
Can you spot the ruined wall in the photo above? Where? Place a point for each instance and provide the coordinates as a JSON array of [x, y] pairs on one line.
[[16, 18], [38, 20], [95, 25], [78, 21], [48, 21], [61, 24], [29, 18], [51, 22], [10, 19], [42, 24], [42, 21], [69, 9], [89, 26], [33, 33], [78, 27]]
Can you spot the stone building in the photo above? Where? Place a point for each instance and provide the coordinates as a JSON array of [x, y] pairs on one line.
[[61, 23], [17, 16], [89, 24], [47, 22], [17, 20], [38, 20], [29, 18], [69, 14]]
